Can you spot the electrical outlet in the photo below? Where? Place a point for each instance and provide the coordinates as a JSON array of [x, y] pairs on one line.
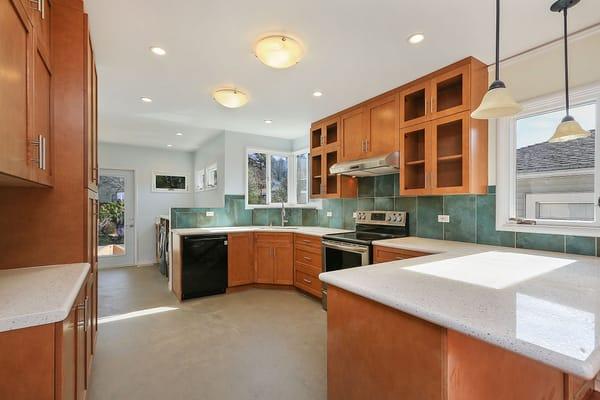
[[210, 213], [354, 215], [330, 213], [444, 218]]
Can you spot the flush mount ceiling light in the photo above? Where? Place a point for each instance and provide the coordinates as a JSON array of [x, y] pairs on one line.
[[497, 102], [179, 134], [416, 38], [268, 121], [568, 129], [230, 98], [146, 99], [159, 51], [169, 145], [317, 93], [278, 51]]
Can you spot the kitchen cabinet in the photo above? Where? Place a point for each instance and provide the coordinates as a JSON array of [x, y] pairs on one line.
[[354, 134], [91, 114], [240, 259], [444, 156], [274, 258], [381, 125], [383, 254], [40, 14], [325, 152], [308, 264]]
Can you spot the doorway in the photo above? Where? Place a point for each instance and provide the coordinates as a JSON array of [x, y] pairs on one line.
[[116, 228]]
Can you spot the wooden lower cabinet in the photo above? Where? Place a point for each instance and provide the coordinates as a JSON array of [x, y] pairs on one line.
[[274, 258], [389, 354], [240, 255], [308, 256], [50, 362], [383, 254]]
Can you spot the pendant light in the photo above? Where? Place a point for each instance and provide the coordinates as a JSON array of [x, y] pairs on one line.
[[497, 102], [568, 129]]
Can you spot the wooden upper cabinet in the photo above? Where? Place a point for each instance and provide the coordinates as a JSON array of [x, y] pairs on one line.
[[414, 104], [91, 115], [451, 92], [240, 259], [354, 135], [16, 90], [40, 13], [381, 125], [415, 159]]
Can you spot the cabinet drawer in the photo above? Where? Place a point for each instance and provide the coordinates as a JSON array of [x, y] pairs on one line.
[[308, 243], [308, 257], [308, 269], [308, 283], [273, 238], [386, 254]]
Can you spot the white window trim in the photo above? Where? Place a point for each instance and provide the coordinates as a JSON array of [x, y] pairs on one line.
[[291, 179], [531, 200], [157, 190], [506, 166], [200, 180]]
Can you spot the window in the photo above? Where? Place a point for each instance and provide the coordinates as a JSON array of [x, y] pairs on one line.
[[274, 177], [554, 184], [169, 183], [211, 177], [200, 180]]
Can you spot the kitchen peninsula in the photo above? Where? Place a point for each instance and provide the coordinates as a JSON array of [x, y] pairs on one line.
[[467, 322]]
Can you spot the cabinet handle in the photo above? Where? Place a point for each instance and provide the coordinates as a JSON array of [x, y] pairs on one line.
[[307, 258], [39, 6], [366, 145], [40, 143], [307, 281]]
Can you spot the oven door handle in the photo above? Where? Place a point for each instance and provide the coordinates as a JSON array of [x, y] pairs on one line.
[[352, 249]]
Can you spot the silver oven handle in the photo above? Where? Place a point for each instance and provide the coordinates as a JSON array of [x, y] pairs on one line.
[[350, 248]]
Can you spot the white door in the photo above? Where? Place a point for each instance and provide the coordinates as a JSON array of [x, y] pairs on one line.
[[116, 229]]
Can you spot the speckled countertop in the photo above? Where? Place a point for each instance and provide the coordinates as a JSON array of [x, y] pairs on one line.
[[38, 295], [305, 230], [542, 305]]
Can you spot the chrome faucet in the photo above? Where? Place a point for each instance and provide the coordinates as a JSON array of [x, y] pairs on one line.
[[283, 220]]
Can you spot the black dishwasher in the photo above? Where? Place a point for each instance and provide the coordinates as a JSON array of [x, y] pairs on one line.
[[204, 267]]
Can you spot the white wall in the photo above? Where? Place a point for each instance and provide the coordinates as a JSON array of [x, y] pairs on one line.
[[143, 161], [541, 72], [209, 153]]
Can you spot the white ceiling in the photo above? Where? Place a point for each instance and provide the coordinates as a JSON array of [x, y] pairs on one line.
[[355, 49]]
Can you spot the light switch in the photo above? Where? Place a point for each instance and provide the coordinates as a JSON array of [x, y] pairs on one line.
[[444, 218], [210, 213], [354, 215], [329, 213]]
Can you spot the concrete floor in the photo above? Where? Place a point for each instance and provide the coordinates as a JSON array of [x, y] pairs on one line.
[[254, 344]]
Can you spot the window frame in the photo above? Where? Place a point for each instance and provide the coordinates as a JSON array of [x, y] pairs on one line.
[[159, 190], [292, 179], [506, 166]]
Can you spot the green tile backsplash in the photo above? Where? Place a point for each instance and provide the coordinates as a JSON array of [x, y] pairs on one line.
[[472, 217]]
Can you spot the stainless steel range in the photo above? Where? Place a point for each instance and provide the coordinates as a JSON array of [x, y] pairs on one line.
[[354, 249]]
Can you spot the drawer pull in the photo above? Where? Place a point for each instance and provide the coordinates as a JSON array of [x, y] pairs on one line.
[[307, 258], [307, 280]]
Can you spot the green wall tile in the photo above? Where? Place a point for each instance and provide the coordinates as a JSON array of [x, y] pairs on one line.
[[540, 241], [366, 186], [462, 211], [274, 217], [428, 208], [384, 204], [186, 220], [349, 206], [260, 216], [310, 217], [385, 185], [491, 189], [486, 224], [294, 216], [585, 246], [408, 204], [366, 204], [204, 220], [323, 218], [235, 208]]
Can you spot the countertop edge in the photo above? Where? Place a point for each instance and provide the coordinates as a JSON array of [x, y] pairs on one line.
[[51, 316]]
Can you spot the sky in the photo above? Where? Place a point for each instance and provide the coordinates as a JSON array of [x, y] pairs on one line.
[[540, 128]]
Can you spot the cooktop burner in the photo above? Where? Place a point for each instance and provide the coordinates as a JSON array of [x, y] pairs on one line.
[[363, 237], [375, 225]]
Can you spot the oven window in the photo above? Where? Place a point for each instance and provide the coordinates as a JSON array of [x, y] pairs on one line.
[[339, 259]]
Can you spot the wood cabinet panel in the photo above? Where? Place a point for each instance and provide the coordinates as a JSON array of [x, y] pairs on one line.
[[284, 264], [312, 258], [91, 113], [40, 13], [384, 254], [16, 91], [66, 356], [451, 92], [80, 351], [381, 119], [415, 160], [240, 256], [307, 282], [307, 242], [41, 139], [353, 135], [414, 104], [264, 271]]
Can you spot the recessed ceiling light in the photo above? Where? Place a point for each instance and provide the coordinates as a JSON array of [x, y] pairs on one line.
[[159, 51], [278, 51], [146, 99], [169, 145], [268, 121], [416, 38], [179, 134], [230, 98], [317, 94]]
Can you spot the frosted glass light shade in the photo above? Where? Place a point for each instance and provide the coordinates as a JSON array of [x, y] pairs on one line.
[[230, 98], [497, 103], [278, 51], [569, 129]]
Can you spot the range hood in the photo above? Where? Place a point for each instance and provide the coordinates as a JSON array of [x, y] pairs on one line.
[[381, 165]]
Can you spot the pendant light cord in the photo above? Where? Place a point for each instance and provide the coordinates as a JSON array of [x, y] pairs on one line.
[[497, 40], [566, 62]]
